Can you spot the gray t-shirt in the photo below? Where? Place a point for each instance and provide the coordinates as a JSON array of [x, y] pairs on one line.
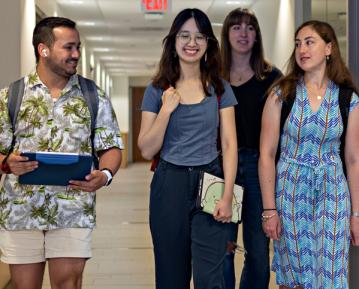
[[191, 135]]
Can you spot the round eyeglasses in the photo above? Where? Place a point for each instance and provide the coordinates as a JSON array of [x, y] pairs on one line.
[[185, 37]]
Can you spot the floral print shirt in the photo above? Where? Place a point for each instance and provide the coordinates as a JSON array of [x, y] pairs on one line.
[[46, 125]]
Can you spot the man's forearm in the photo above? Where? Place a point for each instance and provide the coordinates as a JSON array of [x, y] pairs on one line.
[[111, 159]]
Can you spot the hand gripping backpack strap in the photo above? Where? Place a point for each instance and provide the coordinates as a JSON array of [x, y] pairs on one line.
[[89, 91], [345, 96]]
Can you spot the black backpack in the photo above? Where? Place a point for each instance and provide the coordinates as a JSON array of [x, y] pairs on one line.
[[89, 92], [345, 95]]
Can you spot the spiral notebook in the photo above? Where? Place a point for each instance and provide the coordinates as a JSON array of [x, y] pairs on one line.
[[210, 191]]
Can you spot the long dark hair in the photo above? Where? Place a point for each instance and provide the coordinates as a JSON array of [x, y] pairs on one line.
[[260, 66], [335, 70], [169, 69]]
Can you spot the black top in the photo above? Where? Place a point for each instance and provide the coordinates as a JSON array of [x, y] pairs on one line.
[[251, 97]]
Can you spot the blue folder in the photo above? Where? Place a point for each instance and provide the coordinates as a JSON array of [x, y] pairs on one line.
[[56, 169]]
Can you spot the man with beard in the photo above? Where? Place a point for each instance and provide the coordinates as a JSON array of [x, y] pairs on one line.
[[40, 223]]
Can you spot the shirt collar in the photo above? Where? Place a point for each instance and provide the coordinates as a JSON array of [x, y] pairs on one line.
[[33, 80]]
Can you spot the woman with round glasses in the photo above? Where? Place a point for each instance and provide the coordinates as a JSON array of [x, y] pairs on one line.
[[180, 118], [250, 76]]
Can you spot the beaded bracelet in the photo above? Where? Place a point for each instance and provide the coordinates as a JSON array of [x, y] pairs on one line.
[[265, 218], [355, 214]]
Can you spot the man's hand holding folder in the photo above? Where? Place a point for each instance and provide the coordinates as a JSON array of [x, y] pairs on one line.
[[20, 165], [93, 181], [55, 168]]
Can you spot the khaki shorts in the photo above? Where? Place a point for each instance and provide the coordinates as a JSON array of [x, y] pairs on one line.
[[32, 246]]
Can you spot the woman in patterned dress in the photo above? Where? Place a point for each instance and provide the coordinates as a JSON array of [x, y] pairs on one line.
[[310, 209]]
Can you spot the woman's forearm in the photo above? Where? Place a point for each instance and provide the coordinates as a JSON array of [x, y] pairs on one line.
[[266, 170]]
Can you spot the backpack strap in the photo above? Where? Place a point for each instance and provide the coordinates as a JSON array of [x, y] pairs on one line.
[[287, 105], [219, 144], [89, 92], [15, 94], [345, 96]]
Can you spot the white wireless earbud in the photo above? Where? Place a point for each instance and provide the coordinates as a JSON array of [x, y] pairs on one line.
[[44, 52]]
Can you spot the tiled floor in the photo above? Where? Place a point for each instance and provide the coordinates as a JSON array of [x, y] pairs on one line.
[[122, 248]]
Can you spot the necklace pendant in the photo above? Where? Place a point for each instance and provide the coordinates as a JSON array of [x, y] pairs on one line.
[[319, 97]]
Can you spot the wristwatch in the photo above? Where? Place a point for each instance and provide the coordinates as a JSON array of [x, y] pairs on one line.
[[109, 175]]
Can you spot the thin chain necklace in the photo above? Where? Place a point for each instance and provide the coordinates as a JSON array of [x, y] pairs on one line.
[[318, 96]]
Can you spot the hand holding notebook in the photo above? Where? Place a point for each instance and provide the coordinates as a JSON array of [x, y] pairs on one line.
[[211, 189]]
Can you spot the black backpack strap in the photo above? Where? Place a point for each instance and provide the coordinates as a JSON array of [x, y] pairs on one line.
[[15, 94], [219, 144], [345, 96], [287, 105], [89, 92]]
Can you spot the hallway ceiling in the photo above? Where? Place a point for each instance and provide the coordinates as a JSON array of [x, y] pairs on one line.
[[127, 42], [124, 39]]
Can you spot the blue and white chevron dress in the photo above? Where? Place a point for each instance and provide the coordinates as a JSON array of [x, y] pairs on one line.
[[312, 196]]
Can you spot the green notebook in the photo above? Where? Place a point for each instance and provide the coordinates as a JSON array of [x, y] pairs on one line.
[[210, 192]]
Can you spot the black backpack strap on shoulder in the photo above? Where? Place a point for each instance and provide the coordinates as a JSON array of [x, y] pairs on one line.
[[285, 111], [15, 95], [345, 96], [287, 105], [89, 92]]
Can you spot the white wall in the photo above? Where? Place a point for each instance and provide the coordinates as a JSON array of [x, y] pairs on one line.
[[17, 54], [10, 48], [277, 23], [28, 22], [120, 101], [140, 81], [48, 7]]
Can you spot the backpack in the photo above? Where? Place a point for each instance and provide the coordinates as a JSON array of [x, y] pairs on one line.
[[89, 92], [345, 95]]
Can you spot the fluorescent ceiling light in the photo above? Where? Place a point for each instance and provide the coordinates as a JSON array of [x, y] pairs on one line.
[[71, 2], [85, 23], [234, 2], [95, 38], [217, 24], [78, 2], [101, 49]]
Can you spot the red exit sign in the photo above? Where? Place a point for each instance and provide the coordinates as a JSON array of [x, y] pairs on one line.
[[154, 6]]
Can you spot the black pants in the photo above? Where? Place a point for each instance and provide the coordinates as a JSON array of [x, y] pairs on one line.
[[183, 235]]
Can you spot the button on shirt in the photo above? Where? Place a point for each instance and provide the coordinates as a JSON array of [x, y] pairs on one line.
[[46, 125]]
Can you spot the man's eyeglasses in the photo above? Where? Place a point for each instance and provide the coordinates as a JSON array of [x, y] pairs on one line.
[[185, 37]]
